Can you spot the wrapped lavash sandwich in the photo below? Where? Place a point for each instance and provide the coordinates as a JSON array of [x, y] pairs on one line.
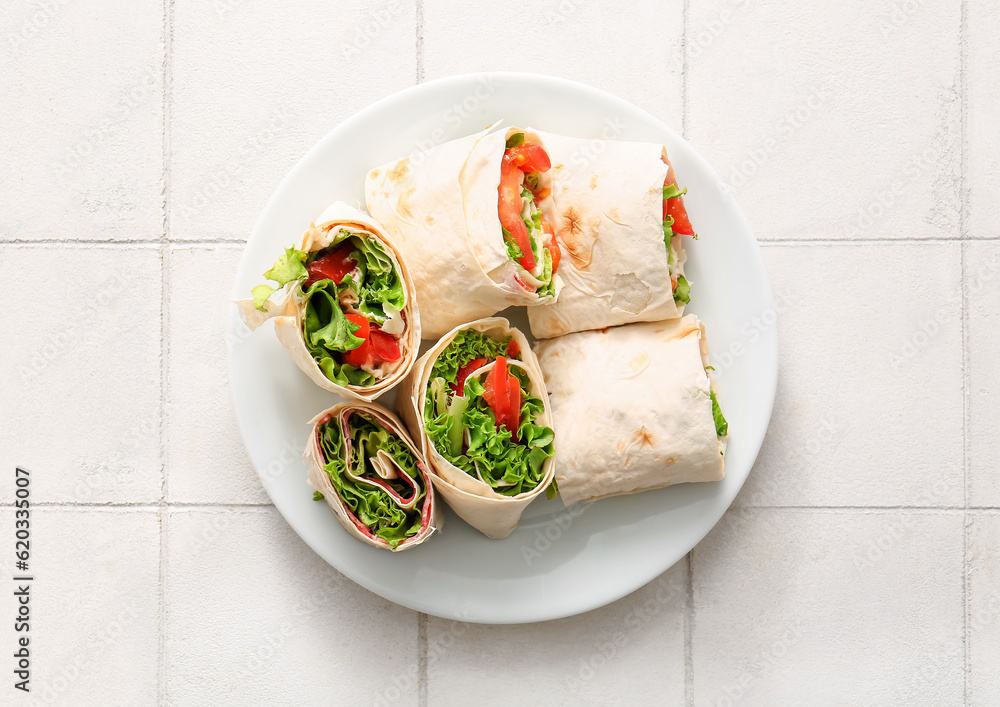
[[467, 217], [634, 408], [363, 464], [477, 403], [348, 315], [620, 220]]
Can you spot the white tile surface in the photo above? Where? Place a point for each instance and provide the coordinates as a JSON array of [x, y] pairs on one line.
[[982, 265], [871, 361], [255, 617], [982, 76], [94, 607], [205, 458], [984, 608], [859, 101], [804, 607], [636, 54], [834, 124], [89, 436], [256, 84], [81, 125], [593, 659]]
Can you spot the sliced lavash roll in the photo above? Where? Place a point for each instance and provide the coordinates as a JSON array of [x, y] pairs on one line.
[[441, 208], [417, 502], [607, 211], [288, 312], [494, 514], [645, 417]]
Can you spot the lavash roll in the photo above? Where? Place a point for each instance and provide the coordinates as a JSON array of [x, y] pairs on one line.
[[427, 506], [632, 409], [607, 212], [289, 311], [441, 209], [492, 513]]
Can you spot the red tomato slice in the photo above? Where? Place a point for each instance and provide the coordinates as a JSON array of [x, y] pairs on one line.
[[332, 266], [463, 374], [496, 393], [675, 207], [510, 211], [514, 396], [364, 354], [513, 350], [503, 394], [385, 346], [530, 157]]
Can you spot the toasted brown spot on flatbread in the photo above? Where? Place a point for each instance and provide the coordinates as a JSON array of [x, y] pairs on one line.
[[644, 437], [621, 446], [669, 461], [430, 220], [593, 181], [374, 173], [403, 205], [399, 170], [572, 236]]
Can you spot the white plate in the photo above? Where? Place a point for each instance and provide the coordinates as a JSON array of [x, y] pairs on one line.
[[558, 562]]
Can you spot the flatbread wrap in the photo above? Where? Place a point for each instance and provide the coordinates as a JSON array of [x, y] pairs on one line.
[[363, 464], [477, 403], [347, 312], [620, 220], [467, 216], [634, 408]]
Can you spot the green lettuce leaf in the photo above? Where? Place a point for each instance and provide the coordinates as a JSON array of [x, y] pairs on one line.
[[721, 426], [290, 266], [260, 294], [682, 293], [326, 326], [670, 191], [515, 140], [373, 506], [467, 345]]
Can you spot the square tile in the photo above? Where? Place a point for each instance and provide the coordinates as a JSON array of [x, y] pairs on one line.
[[256, 617], [255, 85], [84, 368], [83, 139], [803, 607], [869, 408], [833, 121], [591, 659], [94, 606], [566, 38], [206, 461]]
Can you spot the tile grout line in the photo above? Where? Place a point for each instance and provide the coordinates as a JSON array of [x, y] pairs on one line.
[[422, 660], [685, 13], [163, 512], [966, 374], [689, 588], [689, 634], [419, 40], [241, 241], [207, 505]]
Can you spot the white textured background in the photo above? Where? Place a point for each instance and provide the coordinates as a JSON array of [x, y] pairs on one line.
[[139, 139]]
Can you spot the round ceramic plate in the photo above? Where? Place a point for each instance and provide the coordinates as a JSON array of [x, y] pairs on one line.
[[559, 561]]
